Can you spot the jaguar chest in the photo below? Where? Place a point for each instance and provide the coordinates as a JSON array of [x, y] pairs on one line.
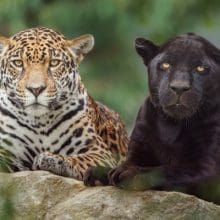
[[65, 136]]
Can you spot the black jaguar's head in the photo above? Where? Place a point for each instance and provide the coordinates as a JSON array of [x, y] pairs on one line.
[[184, 73]]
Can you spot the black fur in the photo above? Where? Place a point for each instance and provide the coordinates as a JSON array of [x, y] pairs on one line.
[[175, 144]]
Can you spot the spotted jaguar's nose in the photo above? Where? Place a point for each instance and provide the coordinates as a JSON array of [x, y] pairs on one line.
[[36, 91]]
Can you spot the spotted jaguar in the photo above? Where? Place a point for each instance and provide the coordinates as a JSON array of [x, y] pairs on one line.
[[48, 121]]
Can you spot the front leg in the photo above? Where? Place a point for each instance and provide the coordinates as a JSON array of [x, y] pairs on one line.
[[75, 166], [49, 162], [146, 173], [202, 182], [132, 177], [140, 160]]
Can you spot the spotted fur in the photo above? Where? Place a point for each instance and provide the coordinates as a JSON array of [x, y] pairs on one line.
[[47, 119]]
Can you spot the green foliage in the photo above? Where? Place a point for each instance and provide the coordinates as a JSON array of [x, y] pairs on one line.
[[6, 198], [6, 191], [6, 203]]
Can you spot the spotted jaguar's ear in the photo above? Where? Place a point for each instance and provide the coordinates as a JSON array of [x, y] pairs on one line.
[[81, 46], [146, 49], [4, 42]]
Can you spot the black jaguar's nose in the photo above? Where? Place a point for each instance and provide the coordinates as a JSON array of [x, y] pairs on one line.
[[179, 87]]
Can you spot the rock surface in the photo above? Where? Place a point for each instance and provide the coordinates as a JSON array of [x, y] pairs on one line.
[[41, 195]]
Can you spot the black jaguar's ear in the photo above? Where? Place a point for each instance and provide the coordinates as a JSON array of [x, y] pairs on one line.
[[214, 53], [146, 49]]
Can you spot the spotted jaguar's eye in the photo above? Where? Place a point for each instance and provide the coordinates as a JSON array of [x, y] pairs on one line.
[[18, 63], [200, 69], [54, 63], [165, 66]]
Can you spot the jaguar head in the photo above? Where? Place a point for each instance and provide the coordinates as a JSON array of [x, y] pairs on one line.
[[39, 68], [184, 74]]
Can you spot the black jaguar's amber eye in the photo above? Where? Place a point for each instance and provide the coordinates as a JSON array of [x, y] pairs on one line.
[[200, 69], [54, 63], [165, 66], [18, 63]]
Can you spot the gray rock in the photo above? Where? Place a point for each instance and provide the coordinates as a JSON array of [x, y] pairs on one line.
[[41, 195]]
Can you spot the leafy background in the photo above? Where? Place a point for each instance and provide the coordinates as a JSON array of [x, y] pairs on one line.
[[112, 72]]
